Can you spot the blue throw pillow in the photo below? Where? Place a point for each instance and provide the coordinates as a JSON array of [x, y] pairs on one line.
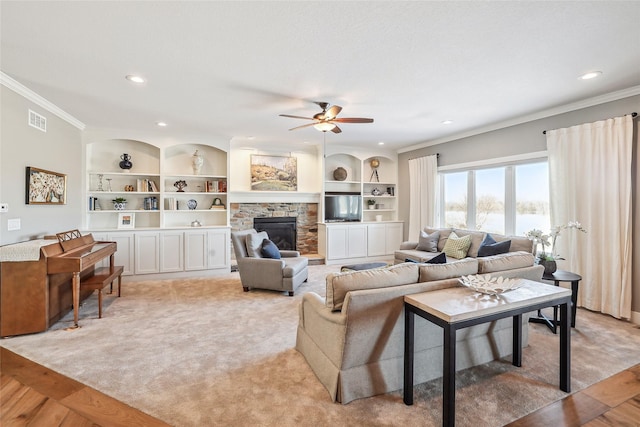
[[438, 259], [269, 249], [489, 247]]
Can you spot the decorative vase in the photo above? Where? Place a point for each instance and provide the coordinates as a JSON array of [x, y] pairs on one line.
[[340, 174], [119, 206], [125, 164], [550, 266], [196, 162]]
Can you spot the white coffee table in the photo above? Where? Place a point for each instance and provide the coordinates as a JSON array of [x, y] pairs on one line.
[[460, 307]]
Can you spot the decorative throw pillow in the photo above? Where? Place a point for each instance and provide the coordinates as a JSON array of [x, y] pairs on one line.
[[490, 247], [269, 249], [428, 242], [457, 247], [254, 243], [439, 259]]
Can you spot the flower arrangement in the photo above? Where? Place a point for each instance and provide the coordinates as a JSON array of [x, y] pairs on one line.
[[550, 239]]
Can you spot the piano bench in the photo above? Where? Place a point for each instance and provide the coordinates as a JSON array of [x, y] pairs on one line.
[[103, 276]]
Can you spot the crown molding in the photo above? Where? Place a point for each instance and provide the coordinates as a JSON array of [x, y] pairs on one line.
[[20, 89], [585, 103]]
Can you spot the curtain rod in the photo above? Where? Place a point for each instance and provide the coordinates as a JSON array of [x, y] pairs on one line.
[[437, 156], [634, 114]]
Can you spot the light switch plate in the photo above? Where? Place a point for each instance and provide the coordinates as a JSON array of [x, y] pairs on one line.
[[13, 224], [4, 207]]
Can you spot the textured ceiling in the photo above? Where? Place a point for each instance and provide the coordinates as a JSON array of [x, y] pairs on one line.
[[222, 71]]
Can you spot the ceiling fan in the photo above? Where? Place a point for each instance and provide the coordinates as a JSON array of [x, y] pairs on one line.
[[326, 120]]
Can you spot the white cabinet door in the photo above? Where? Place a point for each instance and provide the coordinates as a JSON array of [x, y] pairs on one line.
[[346, 241], [171, 251], [124, 256], [196, 246], [124, 251], [147, 253], [357, 241], [337, 242], [376, 239], [219, 246], [393, 237]]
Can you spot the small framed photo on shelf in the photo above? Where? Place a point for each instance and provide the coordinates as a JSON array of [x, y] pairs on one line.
[[126, 220]]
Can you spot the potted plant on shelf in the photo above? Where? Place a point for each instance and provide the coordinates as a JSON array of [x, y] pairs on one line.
[[548, 259], [371, 203], [119, 203]]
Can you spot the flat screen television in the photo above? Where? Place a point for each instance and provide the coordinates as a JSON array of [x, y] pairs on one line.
[[342, 207]]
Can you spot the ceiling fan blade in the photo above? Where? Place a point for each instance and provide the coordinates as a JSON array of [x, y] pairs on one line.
[[353, 120], [336, 129], [295, 117], [304, 126], [332, 112]]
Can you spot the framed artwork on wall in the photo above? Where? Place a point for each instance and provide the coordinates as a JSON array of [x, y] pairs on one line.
[[274, 173], [45, 187], [126, 220]]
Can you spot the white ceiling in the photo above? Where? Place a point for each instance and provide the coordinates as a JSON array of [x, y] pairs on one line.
[[224, 71]]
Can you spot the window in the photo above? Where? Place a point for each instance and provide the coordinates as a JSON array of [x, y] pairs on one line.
[[532, 197], [508, 199], [455, 200], [489, 186]]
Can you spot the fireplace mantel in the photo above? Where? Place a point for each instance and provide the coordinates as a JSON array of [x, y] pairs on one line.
[[273, 197]]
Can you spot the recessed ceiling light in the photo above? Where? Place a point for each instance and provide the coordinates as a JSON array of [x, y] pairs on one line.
[[591, 75], [251, 138], [135, 79], [161, 124], [447, 122], [380, 143]]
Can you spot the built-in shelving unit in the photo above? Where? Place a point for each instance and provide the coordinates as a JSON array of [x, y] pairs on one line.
[[204, 199], [378, 184], [148, 186], [162, 237]]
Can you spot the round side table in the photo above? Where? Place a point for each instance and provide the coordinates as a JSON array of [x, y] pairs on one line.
[[574, 279]]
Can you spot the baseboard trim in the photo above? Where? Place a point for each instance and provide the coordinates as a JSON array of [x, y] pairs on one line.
[[635, 317]]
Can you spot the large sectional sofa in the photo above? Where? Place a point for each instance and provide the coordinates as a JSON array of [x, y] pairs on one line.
[[353, 338]]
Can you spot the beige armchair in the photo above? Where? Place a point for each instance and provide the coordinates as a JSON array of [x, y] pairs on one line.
[[256, 271]]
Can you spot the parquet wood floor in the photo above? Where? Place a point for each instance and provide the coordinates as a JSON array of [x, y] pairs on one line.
[[32, 395]]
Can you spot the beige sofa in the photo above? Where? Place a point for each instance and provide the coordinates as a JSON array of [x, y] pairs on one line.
[[353, 339], [410, 250]]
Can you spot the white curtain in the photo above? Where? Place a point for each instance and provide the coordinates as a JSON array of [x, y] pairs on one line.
[[423, 177], [590, 182]]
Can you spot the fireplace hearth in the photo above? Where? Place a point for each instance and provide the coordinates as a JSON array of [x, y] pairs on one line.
[[281, 230]]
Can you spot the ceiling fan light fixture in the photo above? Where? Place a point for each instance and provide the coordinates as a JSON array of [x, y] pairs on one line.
[[324, 126]]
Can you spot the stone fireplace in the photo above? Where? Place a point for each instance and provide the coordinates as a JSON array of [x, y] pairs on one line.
[[305, 214], [281, 230]]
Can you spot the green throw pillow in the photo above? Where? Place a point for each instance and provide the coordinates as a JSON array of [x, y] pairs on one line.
[[457, 247]]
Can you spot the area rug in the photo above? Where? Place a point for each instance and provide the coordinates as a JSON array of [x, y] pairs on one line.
[[200, 352]]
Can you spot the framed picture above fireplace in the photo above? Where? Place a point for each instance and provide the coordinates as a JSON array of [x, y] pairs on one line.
[[274, 173]]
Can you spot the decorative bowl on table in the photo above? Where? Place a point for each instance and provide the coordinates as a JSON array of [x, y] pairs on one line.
[[490, 285]]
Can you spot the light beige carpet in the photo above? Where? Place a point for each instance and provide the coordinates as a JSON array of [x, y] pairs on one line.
[[201, 352]]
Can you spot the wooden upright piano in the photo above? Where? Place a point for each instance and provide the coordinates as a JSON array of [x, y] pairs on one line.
[[34, 294]]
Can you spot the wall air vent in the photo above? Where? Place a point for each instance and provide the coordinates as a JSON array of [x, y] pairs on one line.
[[37, 121]]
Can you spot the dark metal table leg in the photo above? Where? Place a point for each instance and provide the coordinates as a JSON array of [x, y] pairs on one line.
[[574, 302], [565, 349], [517, 341], [449, 377], [409, 318]]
